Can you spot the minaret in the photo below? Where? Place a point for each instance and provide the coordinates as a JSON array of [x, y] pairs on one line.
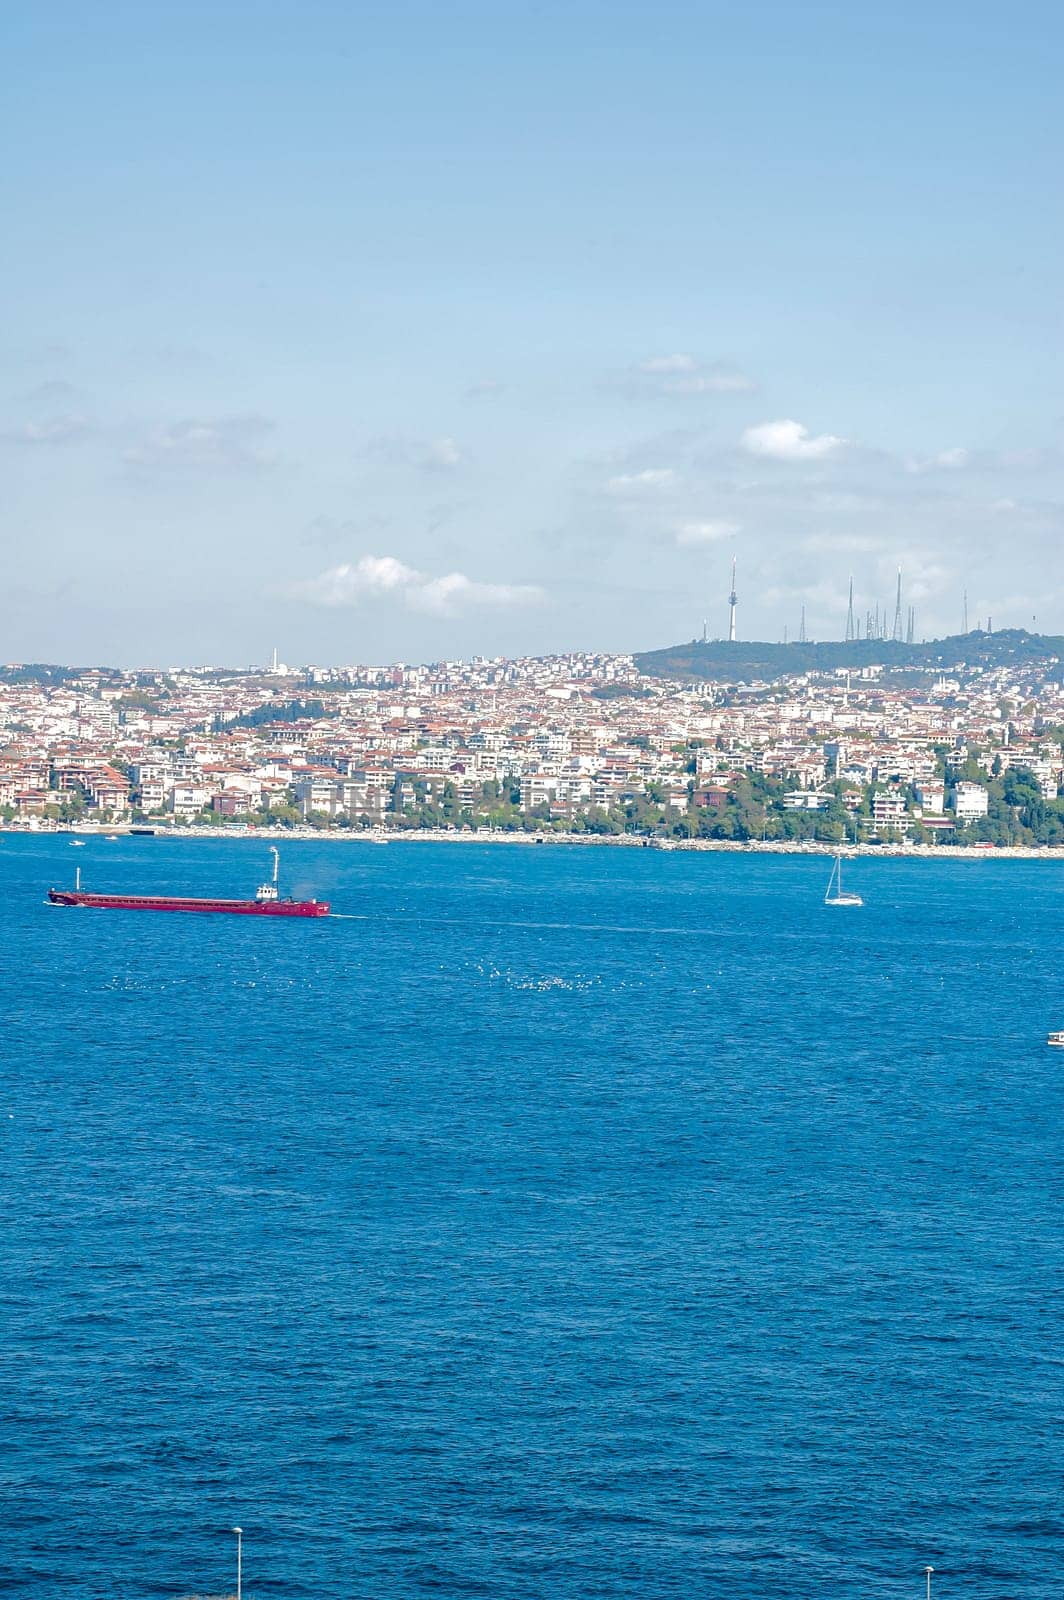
[[733, 600]]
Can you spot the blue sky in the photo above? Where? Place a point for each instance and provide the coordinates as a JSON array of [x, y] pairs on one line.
[[408, 330]]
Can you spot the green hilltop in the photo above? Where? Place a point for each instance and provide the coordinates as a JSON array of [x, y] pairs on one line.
[[744, 661]]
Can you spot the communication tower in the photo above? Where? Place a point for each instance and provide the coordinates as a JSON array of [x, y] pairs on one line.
[[733, 600], [897, 613]]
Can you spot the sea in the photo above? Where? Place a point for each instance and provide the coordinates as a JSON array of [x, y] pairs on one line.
[[550, 1222]]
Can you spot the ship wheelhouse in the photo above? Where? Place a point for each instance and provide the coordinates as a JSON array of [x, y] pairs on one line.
[[268, 891]]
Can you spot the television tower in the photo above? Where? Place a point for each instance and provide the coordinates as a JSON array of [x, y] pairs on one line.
[[897, 613], [850, 631], [801, 633], [733, 600], [910, 632]]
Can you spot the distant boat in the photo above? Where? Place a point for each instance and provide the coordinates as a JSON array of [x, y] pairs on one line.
[[77, 844], [1057, 1038], [267, 902], [835, 895]]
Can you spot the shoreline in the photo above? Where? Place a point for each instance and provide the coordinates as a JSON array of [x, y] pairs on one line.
[[378, 836]]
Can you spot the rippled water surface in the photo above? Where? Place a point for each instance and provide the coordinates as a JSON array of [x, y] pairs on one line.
[[555, 1223]]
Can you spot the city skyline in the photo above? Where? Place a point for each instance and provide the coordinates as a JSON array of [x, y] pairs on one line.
[[410, 335]]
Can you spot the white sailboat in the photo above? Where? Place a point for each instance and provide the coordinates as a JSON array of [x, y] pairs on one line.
[[835, 894]]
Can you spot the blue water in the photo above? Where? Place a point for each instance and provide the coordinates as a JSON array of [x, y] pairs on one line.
[[569, 1224]]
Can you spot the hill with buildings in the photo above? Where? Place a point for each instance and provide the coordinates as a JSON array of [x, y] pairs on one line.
[[745, 661]]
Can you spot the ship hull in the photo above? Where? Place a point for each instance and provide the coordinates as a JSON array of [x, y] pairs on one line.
[[155, 902]]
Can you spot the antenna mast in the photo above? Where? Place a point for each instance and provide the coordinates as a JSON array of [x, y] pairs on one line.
[[850, 631], [733, 600], [897, 613]]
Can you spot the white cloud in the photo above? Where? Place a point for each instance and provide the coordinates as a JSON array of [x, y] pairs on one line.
[[658, 365], [428, 455], [842, 543], [685, 374], [948, 460], [787, 440], [226, 444], [705, 532], [52, 430], [484, 389], [719, 381], [442, 454], [384, 576], [1020, 460], [651, 478]]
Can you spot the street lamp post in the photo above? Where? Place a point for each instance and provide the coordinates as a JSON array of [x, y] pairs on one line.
[[240, 1560], [929, 1571]]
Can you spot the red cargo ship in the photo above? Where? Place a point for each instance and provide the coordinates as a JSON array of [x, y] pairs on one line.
[[267, 902]]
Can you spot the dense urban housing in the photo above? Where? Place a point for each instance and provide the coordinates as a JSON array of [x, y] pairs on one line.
[[580, 743]]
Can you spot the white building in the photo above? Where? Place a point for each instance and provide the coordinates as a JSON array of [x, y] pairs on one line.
[[932, 796], [970, 801], [888, 811], [805, 800]]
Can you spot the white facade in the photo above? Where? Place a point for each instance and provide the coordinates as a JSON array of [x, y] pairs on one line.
[[970, 801], [932, 796]]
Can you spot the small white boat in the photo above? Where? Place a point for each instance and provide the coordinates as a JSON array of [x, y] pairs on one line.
[[835, 895], [77, 844], [1057, 1038]]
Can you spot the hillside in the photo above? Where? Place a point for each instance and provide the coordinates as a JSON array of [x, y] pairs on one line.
[[744, 661]]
